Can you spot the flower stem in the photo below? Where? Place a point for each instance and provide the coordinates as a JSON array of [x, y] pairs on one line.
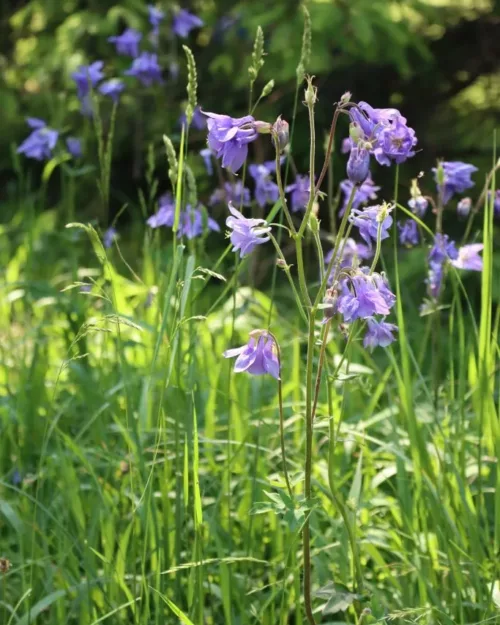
[[328, 149], [281, 188], [378, 248], [324, 341], [290, 279]]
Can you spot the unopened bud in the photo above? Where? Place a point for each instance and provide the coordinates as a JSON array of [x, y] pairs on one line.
[[313, 223], [346, 97], [358, 165], [464, 206], [263, 128], [281, 133], [310, 93], [282, 264]]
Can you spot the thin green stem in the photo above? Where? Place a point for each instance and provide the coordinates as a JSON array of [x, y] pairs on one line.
[[286, 269], [328, 149]]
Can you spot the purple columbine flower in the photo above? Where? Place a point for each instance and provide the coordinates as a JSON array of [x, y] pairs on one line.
[[266, 191], [155, 16], [365, 192], [368, 295], [442, 250], [246, 233], [109, 236], [165, 214], [191, 220], [346, 145], [199, 121], [379, 333], [87, 76], [358, 165], [300, 192], [146, 69], [41, 142], [258, 356], [184, 22], [207, 154], [74, 147], [464, 206], [408, 233], [229, 137], [368, 219], [112, 89], [128, 42], [233, 192], [418, 205], [456, 178], [468, 257]]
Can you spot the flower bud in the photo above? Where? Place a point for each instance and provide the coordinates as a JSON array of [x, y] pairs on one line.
[[310, 95], [313, 223], [346, 97], [464, 206], [281, 133], [358, 165], [329, 303], [281, 264], [263, 128]]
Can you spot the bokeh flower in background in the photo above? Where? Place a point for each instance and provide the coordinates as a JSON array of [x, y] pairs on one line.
[[184, 22], [40, 144], [146, 69], [112, 88], [233, 192], [365, 192], [468, 257], [109, 237], [408, 233], [300, 192], [266, 190], [379, 333], [128, 42], [456, 178], [74, 147]]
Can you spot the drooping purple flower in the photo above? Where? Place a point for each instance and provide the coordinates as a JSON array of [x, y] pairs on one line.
[[40, 144], [87, 76], [184, 22], [199, 121], [464, 206], [155, 16], [300, 192], [367, 295], [112, 88], [442, 250], [109, 236], [365, 192], [128, 42], [418, 205], [468, 257], [246, 233], [233, 192], [207, 154], [74, 147], [191, 220], [457, 178], [229, 137], [266, 190], [258, 356], [358, 165], [146, 69], [408, 233], [368, 220], [379, 333]]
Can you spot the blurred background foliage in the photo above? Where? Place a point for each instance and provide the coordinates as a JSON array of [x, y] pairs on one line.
[[436, 60]]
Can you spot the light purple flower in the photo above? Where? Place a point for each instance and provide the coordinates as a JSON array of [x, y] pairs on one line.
[[379, 333], [112, 88], [207, 154], [442, 250], [191, 221], [74, 147], [128, 42], [468, 257], [408, 232], [146, 69], [464, 206], [366, 296], [266, 191], [87, 76], [233, 192], [358, 165], [109, 236], [418, 205], [365, 192], [155, 16], [352, 253], [300, 192], [258, 356], [246, 233], [346, 146], [40, 144], [229, 137], [367, 221], [457, 178], [184, 22], [199, 121]]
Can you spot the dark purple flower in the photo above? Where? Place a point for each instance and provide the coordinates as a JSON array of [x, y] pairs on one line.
[[146, 69], [41, 142], [128, 42], [87, 76], [184, 22], [379, 333], [365, 192], [456, 178], [300, 192], [207, 154], [109, 236], [112, 88], [246, 233], [266, 191], [74, 146], [229, 137], [418, 205], [199, 121], [258, 357], [408, 232], [368, 219], [358, 165], [464, 206], [468, 257], [442, 250], [233, 192]]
